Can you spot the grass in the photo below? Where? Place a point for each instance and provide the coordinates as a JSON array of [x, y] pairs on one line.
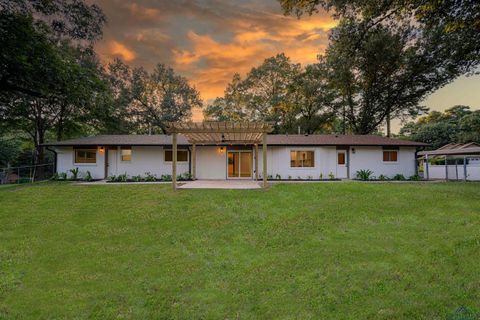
[[297, 251]]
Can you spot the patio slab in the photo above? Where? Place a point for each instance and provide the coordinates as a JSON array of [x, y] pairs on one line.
[[220, 184]]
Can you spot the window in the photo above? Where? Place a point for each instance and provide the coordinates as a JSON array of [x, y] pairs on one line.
[[126, 153], [182, 155], [390, 156], [302, 159], [341, 158], [86, 156]]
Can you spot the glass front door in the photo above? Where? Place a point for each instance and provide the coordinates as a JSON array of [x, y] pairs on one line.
[[239, 164]]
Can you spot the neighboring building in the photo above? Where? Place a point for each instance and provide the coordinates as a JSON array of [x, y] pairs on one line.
[[288, 156], [453, 161]]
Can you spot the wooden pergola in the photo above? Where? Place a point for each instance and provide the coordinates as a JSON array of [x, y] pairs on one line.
[[220, 133]]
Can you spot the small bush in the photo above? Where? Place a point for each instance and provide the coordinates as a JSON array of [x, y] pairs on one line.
[[321, 176], [331, 176], [364, 174], [278, 177], [399, 177], [55, 177], [122, 178], [149, 177], [383, 177], [269, 177], [187, 176], [112, 178], [62, 176], [137, 178], [88, 176], [415, 177], [74, 172], [166, 177], [289, 177]]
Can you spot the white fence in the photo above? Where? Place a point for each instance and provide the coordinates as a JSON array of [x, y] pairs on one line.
[[455, 172]]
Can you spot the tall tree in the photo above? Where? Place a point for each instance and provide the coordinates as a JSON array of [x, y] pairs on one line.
[[312, 100], [232, 106], [148, 101], [440, 40]]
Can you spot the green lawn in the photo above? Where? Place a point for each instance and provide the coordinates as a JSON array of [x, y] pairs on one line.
[[297, 251]]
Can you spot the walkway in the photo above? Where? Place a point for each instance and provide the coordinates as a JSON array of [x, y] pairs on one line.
[[220, 184]]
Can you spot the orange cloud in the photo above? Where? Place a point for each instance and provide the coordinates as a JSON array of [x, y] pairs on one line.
[[115, 48]]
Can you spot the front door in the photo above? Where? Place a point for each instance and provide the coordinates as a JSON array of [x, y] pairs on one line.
[[239, 164], [341, 164]]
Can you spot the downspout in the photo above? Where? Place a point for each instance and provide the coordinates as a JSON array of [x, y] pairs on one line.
[[189, 160], [348, 163], [55, 159]]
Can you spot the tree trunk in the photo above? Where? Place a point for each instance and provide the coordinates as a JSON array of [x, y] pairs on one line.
[[388, 124]]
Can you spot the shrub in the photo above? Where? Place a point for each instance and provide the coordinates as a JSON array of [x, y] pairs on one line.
[[269, 177], [55, 177], [278, 177], [331, 176], [166, 177], [112, 178], [289, 177], [321, 176], [309, 177], [122, 178], [149, 177], [399, 177], [88, 176], [74, 172], [383, 177], [364, 174], [137, 178], [62, 176], [415, 177], [187, 176]]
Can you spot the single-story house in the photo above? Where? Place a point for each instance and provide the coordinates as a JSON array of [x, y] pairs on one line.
[[224, 154]]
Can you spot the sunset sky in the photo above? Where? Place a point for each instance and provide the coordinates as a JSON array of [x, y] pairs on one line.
[[207, 41]]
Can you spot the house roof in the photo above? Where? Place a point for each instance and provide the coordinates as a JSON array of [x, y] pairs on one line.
[[471, 148], [272, 139]]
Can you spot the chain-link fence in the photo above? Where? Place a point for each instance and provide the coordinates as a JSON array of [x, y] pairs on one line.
[[26, 174]]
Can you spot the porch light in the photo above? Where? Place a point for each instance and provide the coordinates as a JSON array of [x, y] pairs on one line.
[[101, 149]]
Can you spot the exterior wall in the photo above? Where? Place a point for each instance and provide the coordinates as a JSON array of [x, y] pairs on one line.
[[372, 158], [211, 162], [66, 161], [438, 171], [278, 162], [144, 159]]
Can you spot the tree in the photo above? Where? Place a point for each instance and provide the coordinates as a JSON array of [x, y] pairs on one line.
[[432, 43], [232, 106], [312, 100], [455, 125], [148, 101]]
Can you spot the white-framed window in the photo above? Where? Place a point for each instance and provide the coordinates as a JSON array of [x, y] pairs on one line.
[[86, 156], [302, 158], [126, 153], [390, 155], [182, 155]]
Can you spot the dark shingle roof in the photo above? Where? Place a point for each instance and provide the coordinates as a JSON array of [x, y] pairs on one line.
[[272, 139]]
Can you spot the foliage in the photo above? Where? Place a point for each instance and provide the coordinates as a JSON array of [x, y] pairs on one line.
[[455, 125], [122, 178], [364, 174], [383, 177], [150, 177], [62, 176], [331, 176], [385, 57], [415, 177], [147, 101], [278, 176], [88, 176], [166, 177], [74, 173], [137, 178], [399, 177], [189, 237]]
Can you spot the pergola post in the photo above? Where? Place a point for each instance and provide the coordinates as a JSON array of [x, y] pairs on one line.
[[264, 150], [465, 168], [426, 168], [194, 161], [256, 161], [446, 169], [174, 161], [456, 168]]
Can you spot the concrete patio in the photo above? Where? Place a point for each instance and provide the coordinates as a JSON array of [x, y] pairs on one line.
[[220, 184]]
